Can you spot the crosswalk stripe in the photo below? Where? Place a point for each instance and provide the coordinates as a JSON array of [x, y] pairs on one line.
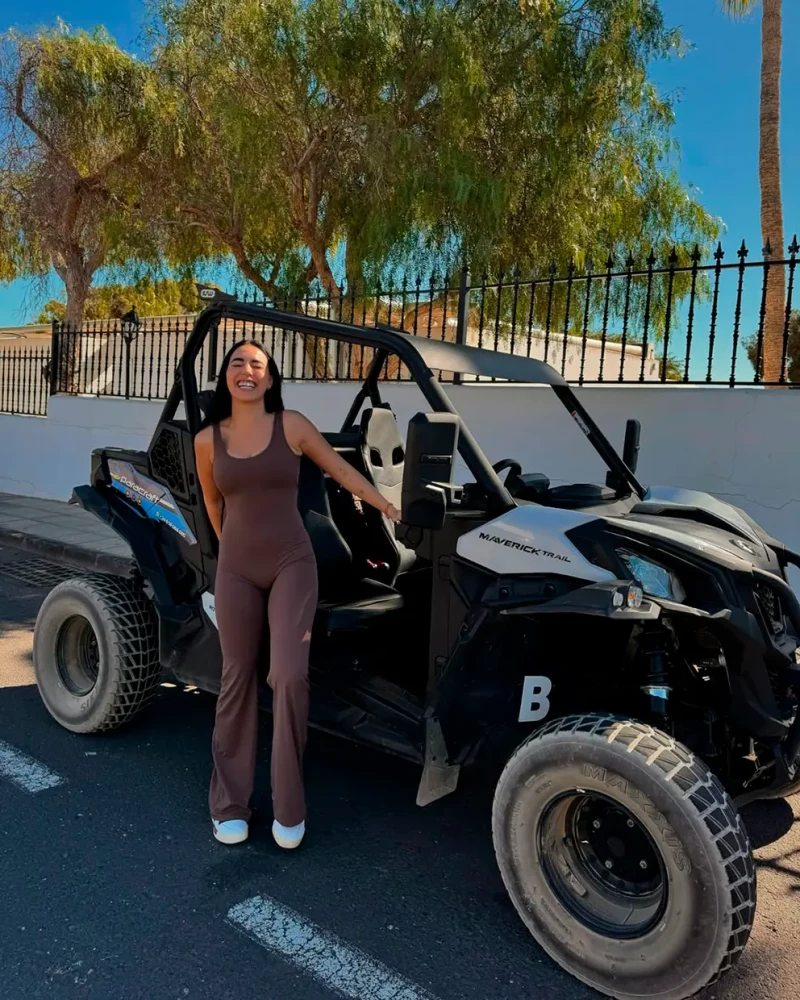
[[346, 971], [26, 772]]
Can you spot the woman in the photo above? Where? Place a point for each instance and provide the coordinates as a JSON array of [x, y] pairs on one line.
[[248, 459]]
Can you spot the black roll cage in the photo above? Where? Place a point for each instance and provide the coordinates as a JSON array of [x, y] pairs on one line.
[[411, 351]]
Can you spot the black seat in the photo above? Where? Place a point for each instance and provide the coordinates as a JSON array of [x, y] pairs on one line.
[[347, 601], [383, 456], [333, 555], [370, 601]]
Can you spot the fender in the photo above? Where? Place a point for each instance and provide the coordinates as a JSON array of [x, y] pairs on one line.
[[150, 552]]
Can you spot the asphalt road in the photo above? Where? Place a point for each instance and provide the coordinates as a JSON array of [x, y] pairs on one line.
[[113, 888]]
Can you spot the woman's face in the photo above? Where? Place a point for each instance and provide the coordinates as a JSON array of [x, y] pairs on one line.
[[248, 378]]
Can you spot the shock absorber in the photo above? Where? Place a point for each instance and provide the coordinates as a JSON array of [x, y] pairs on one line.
[[656, 686]]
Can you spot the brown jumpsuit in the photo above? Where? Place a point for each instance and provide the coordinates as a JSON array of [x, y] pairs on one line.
[[265, 557]]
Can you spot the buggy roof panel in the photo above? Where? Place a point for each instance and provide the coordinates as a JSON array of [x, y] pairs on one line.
[[466, 360], [437, 355]]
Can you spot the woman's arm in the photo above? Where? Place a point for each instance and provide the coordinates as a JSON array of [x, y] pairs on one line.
[[204, 458], [303, 436]]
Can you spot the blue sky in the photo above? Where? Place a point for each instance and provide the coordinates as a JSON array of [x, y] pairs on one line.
[[717, 114]]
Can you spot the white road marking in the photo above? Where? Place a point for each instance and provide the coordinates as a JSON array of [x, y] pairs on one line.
[[344, 970], [25, 772]]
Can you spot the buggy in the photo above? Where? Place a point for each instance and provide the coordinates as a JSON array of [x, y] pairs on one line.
[[627, 655]]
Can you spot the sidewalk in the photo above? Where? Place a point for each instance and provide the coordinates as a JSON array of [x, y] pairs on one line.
[[63, 533]]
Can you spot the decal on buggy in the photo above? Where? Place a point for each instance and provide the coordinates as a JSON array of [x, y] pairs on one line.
[[210, 607], [151, 498], [535, 703]]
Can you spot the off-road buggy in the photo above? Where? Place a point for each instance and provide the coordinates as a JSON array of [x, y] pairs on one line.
[[634, 648]]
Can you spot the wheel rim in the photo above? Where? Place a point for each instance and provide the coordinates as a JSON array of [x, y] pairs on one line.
[[77, 655], [603, 865]]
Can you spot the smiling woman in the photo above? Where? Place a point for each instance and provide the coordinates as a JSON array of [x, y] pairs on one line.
[[248, 462]]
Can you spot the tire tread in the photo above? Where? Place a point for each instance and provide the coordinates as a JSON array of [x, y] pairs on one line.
[[132, 627], [701, 788]]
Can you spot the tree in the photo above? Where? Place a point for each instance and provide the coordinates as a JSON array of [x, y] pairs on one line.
[[76, 115], [416, 132], [149, 297], [769, 171]]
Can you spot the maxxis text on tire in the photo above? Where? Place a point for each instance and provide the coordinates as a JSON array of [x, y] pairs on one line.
[[708, 882], [108, 624]]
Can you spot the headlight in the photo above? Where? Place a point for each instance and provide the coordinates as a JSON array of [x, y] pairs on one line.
[[655, 580]]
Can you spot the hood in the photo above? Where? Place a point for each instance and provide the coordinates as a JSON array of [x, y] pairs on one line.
[[704, 525]]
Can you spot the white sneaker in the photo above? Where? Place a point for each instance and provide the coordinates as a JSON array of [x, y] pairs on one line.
[[288, 837], [230, 831]]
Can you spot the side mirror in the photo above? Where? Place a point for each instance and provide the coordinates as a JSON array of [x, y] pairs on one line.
[[630, 450], [630, 455], [431, 448]]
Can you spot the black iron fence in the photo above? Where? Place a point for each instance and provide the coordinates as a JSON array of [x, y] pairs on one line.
[[24, 378], [678, 321]]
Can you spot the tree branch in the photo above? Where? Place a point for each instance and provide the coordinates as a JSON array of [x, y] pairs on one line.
[[311, 150], [27, 121]]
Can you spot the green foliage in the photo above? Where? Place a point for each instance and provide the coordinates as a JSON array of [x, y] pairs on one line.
[[163, 297], [76, 114], [411, 131]]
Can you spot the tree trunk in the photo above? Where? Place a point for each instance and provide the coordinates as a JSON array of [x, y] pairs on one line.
[[71, 340], [359, 358], [339, 351], [252, 273], [769, 169]]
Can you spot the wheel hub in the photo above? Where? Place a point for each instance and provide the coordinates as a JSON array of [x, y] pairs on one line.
[[77, 656], [603, 865]]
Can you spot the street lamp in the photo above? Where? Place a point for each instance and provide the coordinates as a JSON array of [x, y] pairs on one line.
[[129, 324]]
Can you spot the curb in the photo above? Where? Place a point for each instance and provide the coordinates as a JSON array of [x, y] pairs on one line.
[[71, 555]]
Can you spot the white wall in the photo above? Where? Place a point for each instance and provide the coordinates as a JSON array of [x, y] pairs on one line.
[[723, 441]]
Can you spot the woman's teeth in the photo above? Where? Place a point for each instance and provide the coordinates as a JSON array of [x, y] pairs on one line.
[[245, 384]]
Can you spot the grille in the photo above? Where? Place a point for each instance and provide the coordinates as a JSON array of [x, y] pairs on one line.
[[771, 608], [166, 461]]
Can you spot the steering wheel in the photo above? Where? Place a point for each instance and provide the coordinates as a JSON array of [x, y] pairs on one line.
[[513, 466]]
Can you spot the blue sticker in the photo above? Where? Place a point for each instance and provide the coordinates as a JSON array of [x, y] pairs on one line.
[[153, 500]]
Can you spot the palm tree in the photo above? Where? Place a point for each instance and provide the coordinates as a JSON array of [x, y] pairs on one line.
[[769, 172]]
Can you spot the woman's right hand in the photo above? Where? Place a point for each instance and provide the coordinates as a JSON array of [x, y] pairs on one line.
[[392, 512]]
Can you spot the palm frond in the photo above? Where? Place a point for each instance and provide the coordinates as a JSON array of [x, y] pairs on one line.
[[738, 8]]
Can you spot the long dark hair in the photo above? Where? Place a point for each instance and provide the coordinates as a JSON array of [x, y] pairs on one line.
[[222, 404]]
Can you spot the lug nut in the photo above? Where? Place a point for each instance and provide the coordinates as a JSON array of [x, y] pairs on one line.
[[631, 824], [596, 824], [643, 864], [609, 865]]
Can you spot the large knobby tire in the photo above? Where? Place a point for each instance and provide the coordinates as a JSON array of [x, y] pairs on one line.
[[625, 857], [95, 652]]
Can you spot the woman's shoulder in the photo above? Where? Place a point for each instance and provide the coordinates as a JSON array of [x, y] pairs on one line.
[[294, 418], [205, 438]]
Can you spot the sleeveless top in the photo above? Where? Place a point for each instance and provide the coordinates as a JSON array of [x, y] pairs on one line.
[[261, 520]]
